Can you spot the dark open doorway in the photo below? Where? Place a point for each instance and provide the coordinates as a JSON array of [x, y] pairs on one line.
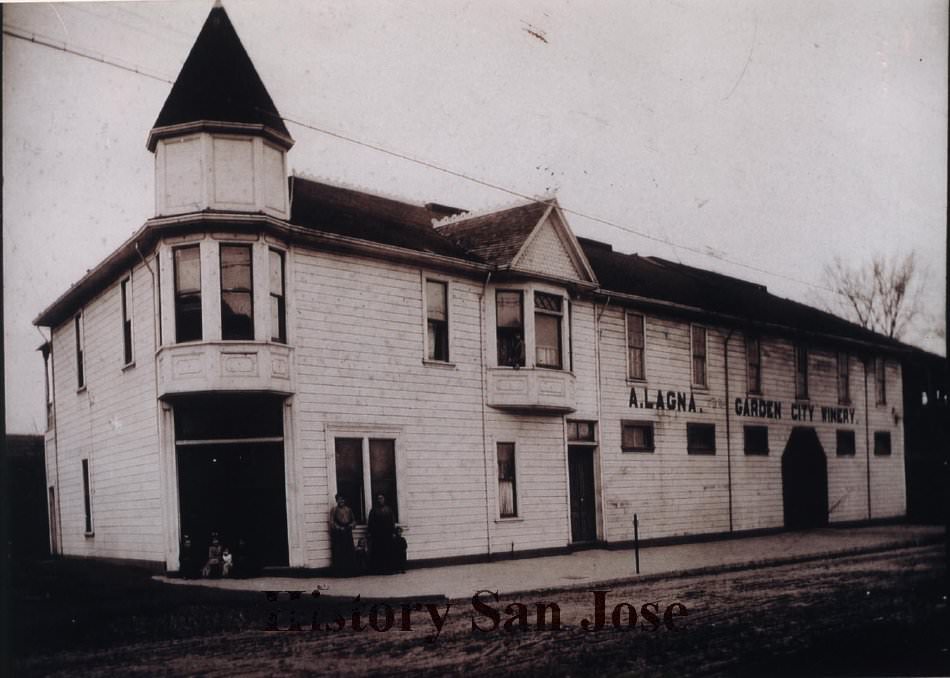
[[230, 455], [804, 481]]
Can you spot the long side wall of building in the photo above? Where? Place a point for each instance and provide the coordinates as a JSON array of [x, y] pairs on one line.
[[110, 423]]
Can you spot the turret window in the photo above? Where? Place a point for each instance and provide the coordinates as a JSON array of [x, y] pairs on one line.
[[187, 294], [278, 309], [237, 306]]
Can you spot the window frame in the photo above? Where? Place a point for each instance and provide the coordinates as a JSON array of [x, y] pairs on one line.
[[753, 385], [515, 515], [879, 450], [845, 433], [80, 332], [880, 381], [281, 299], [49, 385], [366, 433], [642, 348], [558, 317], [237, 290], [89, 527], [801, 371], [650, 440], [843, 378], [128, 314], [755, 428], [427, 356], [178, 296], [704, 383], [693, 429], [524, 330]]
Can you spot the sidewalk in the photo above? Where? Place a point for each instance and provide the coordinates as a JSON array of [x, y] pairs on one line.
[[584, 569]]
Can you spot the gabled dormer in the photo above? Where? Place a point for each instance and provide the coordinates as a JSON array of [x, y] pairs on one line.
[[219, 142]]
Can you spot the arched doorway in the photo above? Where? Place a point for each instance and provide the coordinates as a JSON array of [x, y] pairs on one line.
[[804, 481]]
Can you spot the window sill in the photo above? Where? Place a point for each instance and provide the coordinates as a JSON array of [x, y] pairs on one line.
[[89, 535], [754, 394], [645, 450], [438, 363], [701, 453], [128, 366], [512, 519], [699, 387], [631, 381], [81, 389]]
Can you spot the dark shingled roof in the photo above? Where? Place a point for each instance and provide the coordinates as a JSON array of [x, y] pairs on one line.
[[664, 280], [497, 237], [219, 83], [349, 212]]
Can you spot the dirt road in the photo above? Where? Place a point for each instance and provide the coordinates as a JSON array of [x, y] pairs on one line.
[[881, 613]]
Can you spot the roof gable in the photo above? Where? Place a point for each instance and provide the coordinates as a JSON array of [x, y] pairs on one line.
[[218, 83], [497, 237], [551, 249]]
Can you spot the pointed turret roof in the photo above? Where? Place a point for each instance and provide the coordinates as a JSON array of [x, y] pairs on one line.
[[219, 87]]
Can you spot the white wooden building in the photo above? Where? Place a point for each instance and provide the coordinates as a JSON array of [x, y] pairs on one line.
[[263, 343]]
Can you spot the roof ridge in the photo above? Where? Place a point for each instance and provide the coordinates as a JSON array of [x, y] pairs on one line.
[[487, 211], [336, 182]]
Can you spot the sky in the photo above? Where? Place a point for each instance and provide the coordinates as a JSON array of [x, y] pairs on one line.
[[757, 138]]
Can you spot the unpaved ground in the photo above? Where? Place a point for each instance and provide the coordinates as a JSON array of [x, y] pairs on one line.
[[881, 613]]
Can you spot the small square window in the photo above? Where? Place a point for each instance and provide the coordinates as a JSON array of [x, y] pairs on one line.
[[582, 431], [756, 439], [637, 436], [845, 443], [882, 443], [701, 438]]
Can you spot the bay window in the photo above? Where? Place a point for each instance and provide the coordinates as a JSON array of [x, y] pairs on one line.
[[237, 305], [278, 306], [547, 330], [509, 315], [187, 261]]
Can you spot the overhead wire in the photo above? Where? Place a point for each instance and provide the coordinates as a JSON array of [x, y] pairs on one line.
[[52, 43]]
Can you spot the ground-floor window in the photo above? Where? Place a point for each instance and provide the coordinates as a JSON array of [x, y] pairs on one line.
[[636, 436], [507, 490], [756, 439], [86, 498], [882, 443], [701, 438], [365, 468], [845, 443]]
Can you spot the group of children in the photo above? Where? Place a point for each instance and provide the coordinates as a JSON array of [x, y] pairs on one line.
[[221, 562]]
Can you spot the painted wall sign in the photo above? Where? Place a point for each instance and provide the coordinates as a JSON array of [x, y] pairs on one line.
[[676, 401], [773, 409]]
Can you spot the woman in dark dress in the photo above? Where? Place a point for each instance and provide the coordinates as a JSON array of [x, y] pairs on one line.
[[380, 529]]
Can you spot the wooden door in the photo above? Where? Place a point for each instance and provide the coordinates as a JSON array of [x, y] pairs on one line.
[[583, 503]]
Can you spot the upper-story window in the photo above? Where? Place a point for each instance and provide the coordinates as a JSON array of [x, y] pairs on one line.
[[48, 374], [753, 361], [437, 320], [278, 306], [509, 313], [801, 371], [80, 351], [880, 381], [699, 355], [844, 379], [548, 314], [125, 292], [237, 302], [636, 343], [187, 293]]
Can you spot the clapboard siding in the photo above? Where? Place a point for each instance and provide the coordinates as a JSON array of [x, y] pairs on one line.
[[112, 423], [359, 361], [674, 493]]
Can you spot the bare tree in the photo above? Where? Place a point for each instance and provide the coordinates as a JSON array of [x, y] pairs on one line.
[[883, 295]]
